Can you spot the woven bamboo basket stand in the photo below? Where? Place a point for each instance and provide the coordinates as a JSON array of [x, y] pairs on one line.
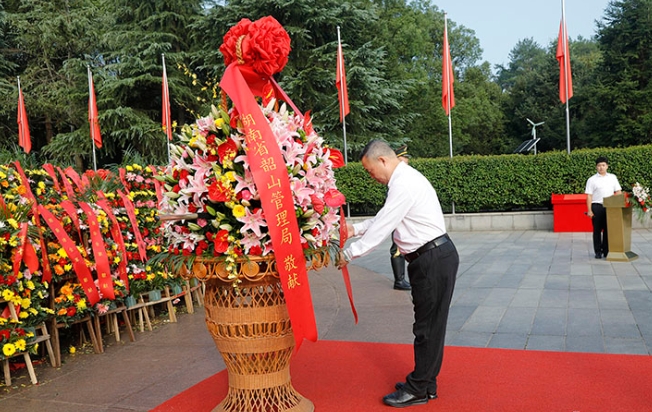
[[251, 329]]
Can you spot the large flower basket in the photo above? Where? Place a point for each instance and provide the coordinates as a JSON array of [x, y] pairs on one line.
[[251, 329]]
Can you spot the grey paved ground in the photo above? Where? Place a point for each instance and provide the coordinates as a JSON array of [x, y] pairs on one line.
[[532, 290], [546, 291]]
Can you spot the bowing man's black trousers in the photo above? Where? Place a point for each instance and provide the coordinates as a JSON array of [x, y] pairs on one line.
[[432, 276]]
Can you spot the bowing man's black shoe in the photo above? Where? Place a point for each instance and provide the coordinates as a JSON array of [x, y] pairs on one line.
[[401, 399], [598, 255], [399, 386]]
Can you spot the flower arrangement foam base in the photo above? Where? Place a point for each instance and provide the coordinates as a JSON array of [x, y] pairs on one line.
[[251, 328]]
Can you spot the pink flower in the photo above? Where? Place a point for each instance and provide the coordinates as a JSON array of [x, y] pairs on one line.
[[253, 222], [205, 124], [301, 191], [102, 308]]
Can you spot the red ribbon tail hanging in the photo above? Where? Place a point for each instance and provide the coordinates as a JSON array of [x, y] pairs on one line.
[[345, 269]]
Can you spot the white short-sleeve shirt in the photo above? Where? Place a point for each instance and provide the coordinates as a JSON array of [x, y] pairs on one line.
[[601, 186]]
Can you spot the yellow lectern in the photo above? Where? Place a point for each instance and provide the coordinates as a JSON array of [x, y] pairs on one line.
[[619, 229]]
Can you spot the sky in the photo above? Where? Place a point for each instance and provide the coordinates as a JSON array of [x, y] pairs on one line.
[[500, 24]]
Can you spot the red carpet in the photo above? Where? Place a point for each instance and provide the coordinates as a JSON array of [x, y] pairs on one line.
[[354, 376]]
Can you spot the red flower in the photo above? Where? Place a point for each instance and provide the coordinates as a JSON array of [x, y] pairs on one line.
[[317, 204], [334, 198], [71, 311], [218, 192], [183, 175], [227, 150], [256, 251], [336, 157], [4, 335], [221, 242]]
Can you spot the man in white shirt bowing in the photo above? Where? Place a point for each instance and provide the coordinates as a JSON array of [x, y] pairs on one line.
[[413, 213], [599, 186]]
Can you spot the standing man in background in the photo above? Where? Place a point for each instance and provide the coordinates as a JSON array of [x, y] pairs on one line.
[[413, 214], [599, 186], [395, 257]]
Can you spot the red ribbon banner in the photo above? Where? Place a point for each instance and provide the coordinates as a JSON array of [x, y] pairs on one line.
[[102, 264], [272, 181], [83, 273], [53, 175], [66, 184], [116, 233], [71, 209], [131, 213], [25, 252], [47, 272]]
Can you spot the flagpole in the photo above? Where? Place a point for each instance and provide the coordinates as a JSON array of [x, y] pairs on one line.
[[341, 66], [448, 97], [90, 86], [566, 62], [166, 107], [341, 74]]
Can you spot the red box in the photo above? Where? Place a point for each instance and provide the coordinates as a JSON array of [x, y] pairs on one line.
[[569, 214]]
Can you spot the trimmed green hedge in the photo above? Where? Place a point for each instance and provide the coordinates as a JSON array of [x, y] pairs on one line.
[[505, 182]]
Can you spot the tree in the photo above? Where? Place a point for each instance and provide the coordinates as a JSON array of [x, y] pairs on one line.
[[127, 61], [413, 34], [46, 36], [622, 92], [309, 77]]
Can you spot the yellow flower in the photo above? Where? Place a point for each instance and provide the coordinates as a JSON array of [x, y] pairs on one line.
[[30, 285], [219, 122], [8, 349], [129, 168], [62, 253], [26, 303], [72, 350], [81, 305], [7, 294], [239, 211], [13, 223], [21, 345]]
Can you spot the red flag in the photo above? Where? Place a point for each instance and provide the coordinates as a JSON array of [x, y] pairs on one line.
[[93, 119], [340, 83], [167, 118], [24, 140], [447, 78], [563, 57]]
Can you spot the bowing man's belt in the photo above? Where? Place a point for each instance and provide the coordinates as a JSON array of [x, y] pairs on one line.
[[435, 243]]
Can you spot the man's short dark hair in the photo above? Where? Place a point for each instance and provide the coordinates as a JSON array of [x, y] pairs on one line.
[[601, 159]]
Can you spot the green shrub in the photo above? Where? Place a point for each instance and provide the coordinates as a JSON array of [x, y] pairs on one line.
[[505, 182]]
